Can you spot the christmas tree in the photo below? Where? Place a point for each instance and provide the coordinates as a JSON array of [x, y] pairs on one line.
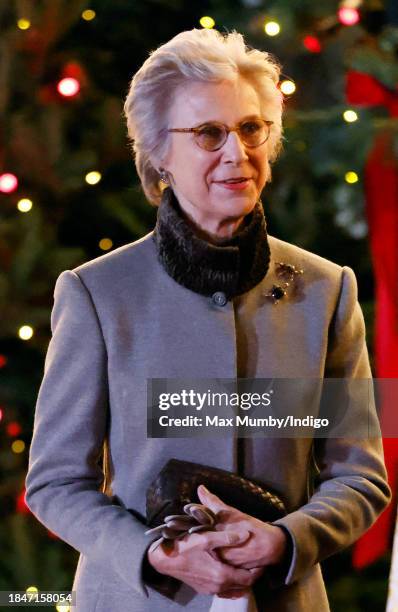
[[69, 191]]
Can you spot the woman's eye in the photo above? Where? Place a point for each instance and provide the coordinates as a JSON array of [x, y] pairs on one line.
[[210, 131], [250, 127]]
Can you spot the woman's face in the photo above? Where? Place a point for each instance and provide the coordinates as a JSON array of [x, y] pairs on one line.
[[197, 175]]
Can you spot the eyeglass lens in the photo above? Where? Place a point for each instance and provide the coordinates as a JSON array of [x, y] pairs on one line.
[[212, 136]]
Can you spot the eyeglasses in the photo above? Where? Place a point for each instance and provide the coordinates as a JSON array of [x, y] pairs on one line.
[[213, 135]]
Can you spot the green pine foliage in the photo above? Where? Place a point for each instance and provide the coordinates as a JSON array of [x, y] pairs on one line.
[[50, 143]]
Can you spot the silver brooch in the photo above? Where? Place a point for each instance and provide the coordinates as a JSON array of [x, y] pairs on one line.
[[287, 273]]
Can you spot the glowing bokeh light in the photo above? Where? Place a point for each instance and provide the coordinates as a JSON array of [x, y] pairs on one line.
[[207, 22], [94, 177], [287, 87], [18, 446], [33, 591], [350, 116], [348, 16], [8, 182], [272, 28], [25, 332], [351, 177], [13, 429], [24, 205], [88, 15], [312, 43], [105, 244], [23, 24], [68, 87]]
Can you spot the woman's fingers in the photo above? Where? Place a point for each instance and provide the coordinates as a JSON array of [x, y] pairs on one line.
[[210, 500], [217, 539], [236, 577], [194, 561]]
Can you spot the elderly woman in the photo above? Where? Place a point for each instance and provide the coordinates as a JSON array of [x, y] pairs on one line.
[[202, 296]]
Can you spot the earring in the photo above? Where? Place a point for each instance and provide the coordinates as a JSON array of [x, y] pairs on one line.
[[164, 176]]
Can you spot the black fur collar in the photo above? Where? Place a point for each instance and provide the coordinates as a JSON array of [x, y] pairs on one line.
[[233, 265]]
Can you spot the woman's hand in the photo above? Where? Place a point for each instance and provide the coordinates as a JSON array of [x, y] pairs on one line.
[[267, 543], [192, 560]]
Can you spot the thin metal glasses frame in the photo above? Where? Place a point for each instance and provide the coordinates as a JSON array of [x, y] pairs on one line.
[[227, 129]]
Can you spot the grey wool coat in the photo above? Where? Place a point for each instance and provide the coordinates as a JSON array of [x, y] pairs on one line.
[[121, 319]]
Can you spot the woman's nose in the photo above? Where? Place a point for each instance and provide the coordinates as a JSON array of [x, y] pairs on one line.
[[234, 149]]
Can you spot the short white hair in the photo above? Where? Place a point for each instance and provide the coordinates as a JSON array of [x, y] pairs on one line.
[[194, 55]]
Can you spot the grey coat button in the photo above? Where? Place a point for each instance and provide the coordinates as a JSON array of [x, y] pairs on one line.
[[219, 298]]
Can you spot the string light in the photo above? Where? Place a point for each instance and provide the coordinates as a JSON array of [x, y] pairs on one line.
[[24, 205], [94, 177], [18, 446], [25, 332], [348, 16], [351, 177], [62, 608], [23, 24], [350, 116], [105, 244], [207, 22], [272, 28], [88, 15], [68, 87], [287, 87], [1, 414], [32, 589], [8, 182], [13, 429], [312, 43]]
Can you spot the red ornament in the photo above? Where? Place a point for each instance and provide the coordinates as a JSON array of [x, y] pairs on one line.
[[364, 90], [3, 361], [381, 180], [13, 429], [312, 44]]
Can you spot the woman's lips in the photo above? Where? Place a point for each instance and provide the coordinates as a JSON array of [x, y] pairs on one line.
[[235, 186]]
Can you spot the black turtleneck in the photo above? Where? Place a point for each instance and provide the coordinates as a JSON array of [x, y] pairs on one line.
[[232, 265]]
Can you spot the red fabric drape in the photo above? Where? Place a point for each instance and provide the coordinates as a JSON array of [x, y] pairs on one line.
[[381, 188]]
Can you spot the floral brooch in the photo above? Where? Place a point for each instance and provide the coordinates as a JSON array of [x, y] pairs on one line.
[[287, 274]]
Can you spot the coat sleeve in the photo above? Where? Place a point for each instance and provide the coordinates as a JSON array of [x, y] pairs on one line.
[[64, 478], [351, 488]]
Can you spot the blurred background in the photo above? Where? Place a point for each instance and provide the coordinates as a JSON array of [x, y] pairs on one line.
[[69, 193]]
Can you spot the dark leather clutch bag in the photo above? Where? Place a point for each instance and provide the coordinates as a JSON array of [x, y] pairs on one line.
[[177, 483]]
